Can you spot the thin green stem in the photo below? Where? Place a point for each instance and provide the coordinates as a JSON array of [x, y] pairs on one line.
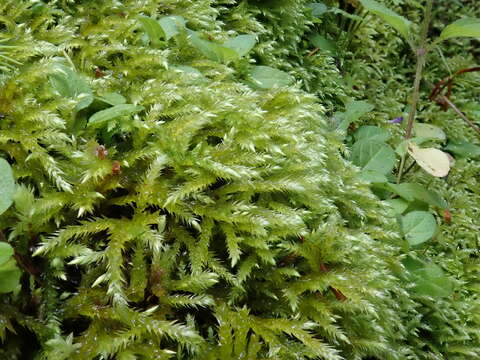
[[420, 52]]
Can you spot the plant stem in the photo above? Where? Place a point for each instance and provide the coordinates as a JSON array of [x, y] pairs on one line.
[[420, 53], [461, 114]]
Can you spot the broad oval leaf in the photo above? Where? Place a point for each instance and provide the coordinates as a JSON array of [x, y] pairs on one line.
[[241, 44], [266, 77], [113, 113], [373, 155], [464, 149], [468, 27], [6, 252], [9, 276], [7, 186], [429, 279], [433, 161], [428, 131], [418, 227], [398, 22]]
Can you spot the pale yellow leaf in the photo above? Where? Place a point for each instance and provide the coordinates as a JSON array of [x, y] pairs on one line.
[[433, 161]]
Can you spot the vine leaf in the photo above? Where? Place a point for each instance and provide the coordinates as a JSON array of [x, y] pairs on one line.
[[7, 185], [397, 21], [418, 227], [433, 161], [468, 27]]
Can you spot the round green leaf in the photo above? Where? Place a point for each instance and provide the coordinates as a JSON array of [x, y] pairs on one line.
[[266, 77], [398, 205], [241, 44], [7, 185], [9, 276], [6, 252], [418, 227], [324, 44], [429, 131], [429, 279], [373, 155], [317, 8]]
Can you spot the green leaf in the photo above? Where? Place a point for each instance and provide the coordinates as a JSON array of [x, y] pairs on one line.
[[399, 206], [153, 29], [354, 110], [266, 77], [324, 44], [418, 227], [70, 84], [7, 186], [398, 22], [463, 149], [113, 113], [112, 98], [171, 25], [6, 252], [241, 44], [412, 192], [373, 155], [317, 9], [468, 27], [429, 278], [213, 51], [372, 176], [373, 133], [9, 276], [428, 131]]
